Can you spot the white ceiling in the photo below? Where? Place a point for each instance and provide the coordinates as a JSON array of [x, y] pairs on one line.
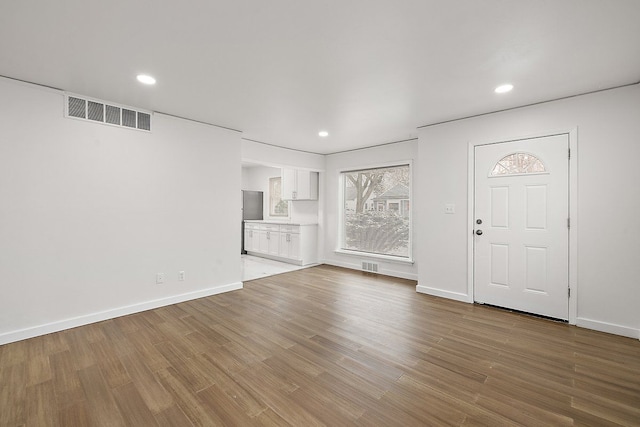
[[368, 71]]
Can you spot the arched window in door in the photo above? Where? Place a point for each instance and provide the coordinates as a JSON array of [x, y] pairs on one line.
[[518, 164]]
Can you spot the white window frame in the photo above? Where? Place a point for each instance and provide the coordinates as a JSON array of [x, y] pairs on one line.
[[271, 215], [341, 220]]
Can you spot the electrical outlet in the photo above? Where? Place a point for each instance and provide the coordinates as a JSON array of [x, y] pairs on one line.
[[449, 208], [159, 278], [181, 276]]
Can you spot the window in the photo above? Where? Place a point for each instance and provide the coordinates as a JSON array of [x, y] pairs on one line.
[[277, 206], [376, 217], [518, 164]]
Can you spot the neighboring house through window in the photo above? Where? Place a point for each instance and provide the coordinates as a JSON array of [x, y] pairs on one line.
[[376, 218]]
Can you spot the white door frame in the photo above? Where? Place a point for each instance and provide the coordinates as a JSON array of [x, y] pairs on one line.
[[573, 212]]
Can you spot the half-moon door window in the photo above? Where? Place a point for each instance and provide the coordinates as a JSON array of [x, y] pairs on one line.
[[518, 164]]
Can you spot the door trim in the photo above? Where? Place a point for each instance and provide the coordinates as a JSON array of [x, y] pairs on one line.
[[573, 211]]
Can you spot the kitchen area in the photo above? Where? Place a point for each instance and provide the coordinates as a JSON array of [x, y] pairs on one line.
[[279, 220]]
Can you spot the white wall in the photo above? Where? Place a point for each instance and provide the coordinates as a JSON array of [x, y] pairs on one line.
[[90, 213], [608, 128], [335, 163], [246, 179], [269, 155]]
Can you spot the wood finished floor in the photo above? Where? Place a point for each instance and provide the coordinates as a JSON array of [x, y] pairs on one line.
[[322, 346]]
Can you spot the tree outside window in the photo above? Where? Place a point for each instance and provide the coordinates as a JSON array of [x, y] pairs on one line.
[[277, 206], [376, 210]]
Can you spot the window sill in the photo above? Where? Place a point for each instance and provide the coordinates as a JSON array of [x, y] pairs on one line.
[[388, 258]]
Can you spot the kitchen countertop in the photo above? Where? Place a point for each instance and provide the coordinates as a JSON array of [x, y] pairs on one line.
[[266, 221]]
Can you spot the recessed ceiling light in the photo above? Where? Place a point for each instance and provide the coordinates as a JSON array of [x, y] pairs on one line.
[[504, 88], [323, 133], [148, 80]]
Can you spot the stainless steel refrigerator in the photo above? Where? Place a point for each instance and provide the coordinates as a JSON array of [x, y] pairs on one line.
[[251, 209]]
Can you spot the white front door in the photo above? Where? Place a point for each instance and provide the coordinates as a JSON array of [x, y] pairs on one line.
[[521, 236]]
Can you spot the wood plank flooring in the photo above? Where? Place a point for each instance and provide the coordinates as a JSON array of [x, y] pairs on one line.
[[322, 346]]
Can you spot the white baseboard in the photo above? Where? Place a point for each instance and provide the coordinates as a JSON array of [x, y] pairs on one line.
[[609, 328], [86, 319], [444, 294], [275, 258], [385, 271]]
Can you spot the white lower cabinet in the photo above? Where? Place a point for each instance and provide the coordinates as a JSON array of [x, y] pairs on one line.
[[293, 243], [251, 238], [263, 243], [290, 245], [248, 240], [273, 242]]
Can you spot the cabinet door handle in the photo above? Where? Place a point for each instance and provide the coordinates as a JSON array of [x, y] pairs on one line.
[[268, 235]]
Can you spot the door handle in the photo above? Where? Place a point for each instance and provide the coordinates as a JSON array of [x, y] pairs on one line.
[[479, 232]]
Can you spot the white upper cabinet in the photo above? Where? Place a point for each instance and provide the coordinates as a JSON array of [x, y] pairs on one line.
[[289, 183], [299, 185]]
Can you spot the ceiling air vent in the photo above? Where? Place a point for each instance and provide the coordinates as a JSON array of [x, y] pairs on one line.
[[95, 111], [128, 118], [112, 115], [78, 107], [144, 121]]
